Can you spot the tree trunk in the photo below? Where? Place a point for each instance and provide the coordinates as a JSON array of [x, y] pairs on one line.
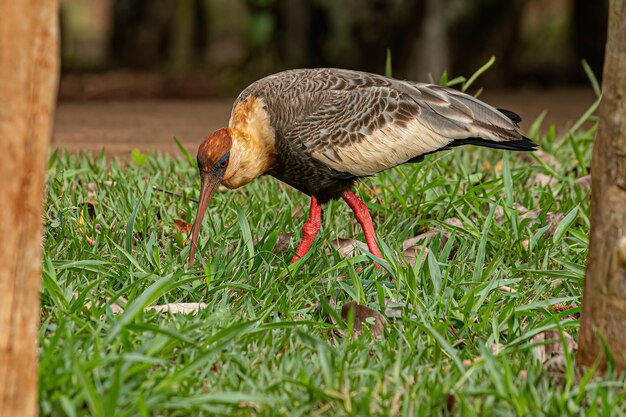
[[28, 77], [604, 300]]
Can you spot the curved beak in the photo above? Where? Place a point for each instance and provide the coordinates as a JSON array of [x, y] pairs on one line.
[[208, 185]]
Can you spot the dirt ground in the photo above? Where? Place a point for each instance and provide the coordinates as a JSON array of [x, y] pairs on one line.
[[149, 125]]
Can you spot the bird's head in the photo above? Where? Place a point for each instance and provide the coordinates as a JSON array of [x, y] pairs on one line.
[[213, 159]]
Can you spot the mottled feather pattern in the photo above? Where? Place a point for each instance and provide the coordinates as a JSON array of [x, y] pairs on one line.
[[351, 124]]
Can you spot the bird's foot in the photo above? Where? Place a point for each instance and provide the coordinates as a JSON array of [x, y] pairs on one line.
[[310, 229], [362, 215]]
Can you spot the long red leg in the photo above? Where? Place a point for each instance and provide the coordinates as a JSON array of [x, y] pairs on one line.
[[309, 230], [362, 215]]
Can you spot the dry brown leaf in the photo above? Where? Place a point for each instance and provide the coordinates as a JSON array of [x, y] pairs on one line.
[[453, 221], [506, 288], [92, 188], [546, 158], [348, 248], [115, 308], [556, 283], [498, 214], [297, 212], [283, 242], [542, 180], [427, 237], [584, 182], [182, 226], [375, 191], [550, 350], [395, 309], [177, 308], [364, 316], [411, 254], [530, 214], [559, 308], [90, 241], [553, 219]]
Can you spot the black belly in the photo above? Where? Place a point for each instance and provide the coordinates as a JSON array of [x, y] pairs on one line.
[[312, 177]]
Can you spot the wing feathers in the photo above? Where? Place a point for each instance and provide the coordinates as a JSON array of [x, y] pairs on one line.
[[362, 123]]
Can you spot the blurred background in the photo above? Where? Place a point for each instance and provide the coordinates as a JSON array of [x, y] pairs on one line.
[[208, 50]]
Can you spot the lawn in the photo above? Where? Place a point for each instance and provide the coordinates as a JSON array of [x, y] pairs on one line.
[[467, 323]]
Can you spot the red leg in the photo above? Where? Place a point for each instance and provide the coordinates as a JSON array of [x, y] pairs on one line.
[[362, 215], [309, 230]]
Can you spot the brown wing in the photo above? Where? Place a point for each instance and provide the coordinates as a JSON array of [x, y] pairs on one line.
[[362, 123]]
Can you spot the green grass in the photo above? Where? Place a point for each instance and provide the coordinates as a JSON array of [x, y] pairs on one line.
[[265, 344]]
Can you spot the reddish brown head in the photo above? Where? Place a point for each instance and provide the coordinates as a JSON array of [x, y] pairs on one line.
[[213, 157]]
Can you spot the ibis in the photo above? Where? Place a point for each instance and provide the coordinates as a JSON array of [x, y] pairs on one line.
[[322, 130]]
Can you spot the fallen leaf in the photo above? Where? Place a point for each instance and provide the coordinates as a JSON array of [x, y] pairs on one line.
[[364, 316], [543, 180], [395, 309], [556, 283], [506, 288], [115, 307], [550, 350], [92, 188], [584, 182], [559, 308], [90, 241], [498, 214], [348, 248], [182, 226], [553, 219], [411, 254], [453, 221], [177, 308], [283, 242], [374, 191], [530, 214], [427, 237], [546, 158], [297, 212]]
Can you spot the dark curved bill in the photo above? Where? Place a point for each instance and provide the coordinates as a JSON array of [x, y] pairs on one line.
[[208, 186]]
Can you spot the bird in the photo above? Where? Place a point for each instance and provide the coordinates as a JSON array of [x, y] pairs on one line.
[[321, 130]]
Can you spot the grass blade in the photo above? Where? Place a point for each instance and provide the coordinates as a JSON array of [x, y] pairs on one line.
[[478, 73], [192, 161]]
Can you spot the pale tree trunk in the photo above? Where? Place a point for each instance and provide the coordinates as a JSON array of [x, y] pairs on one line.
[[28, 77], [604, 300]]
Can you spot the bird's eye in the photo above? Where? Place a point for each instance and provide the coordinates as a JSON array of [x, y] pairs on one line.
[[224, 163]]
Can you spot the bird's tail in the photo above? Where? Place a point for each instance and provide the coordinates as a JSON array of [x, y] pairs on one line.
[[523, 144], [518, 144]]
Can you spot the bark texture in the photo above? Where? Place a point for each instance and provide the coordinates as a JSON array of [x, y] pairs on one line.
[[604, 300], [28, 79]]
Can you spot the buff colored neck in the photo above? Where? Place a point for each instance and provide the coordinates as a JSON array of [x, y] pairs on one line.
[[252, 153]]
